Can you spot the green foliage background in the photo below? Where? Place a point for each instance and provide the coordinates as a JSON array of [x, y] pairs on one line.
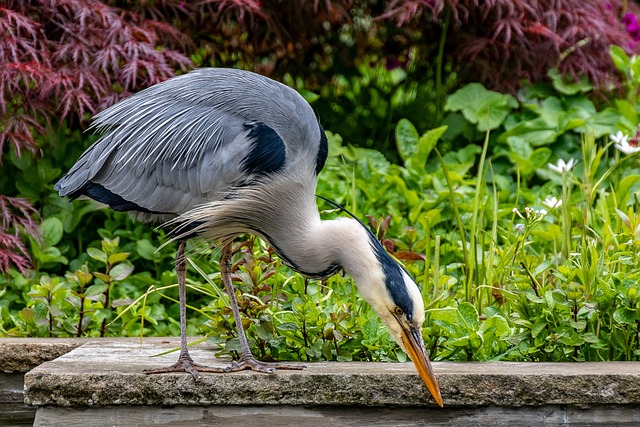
[[460, 201]]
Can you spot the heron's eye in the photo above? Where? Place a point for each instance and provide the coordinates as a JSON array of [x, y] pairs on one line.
[[398, 311]]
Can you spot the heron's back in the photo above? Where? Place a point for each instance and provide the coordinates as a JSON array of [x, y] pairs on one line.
[[194, 139]]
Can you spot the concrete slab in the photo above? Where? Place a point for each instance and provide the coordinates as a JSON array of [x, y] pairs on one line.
[[111, 373], [24, 354], [342, 416]]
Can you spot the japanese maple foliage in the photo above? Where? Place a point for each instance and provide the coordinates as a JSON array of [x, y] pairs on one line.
[[17, 215], [65, 60], [504, 42]]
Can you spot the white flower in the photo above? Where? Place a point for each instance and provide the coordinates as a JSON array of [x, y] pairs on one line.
[[623, 145], [530, 215], [619, 137], [517, 212], [562, 166], [552, 202]]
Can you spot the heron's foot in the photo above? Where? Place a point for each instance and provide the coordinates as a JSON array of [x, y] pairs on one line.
[[264, 367], [186, 364]]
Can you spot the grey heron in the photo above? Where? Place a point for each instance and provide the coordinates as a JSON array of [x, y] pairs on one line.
[[222, 152]]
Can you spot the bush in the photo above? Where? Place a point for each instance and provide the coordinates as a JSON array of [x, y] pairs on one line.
[[463, 202]]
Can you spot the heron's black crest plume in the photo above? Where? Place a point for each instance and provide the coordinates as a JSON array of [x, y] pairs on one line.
[[345, 210]]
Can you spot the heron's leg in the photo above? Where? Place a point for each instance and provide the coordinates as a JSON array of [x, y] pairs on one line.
[[185, 362], [247, 361]]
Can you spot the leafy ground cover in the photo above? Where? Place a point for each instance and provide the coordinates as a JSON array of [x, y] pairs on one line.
[[517, 216]]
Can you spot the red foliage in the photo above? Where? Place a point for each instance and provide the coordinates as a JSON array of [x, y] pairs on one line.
[[66, 59], [17, 217], [502, 42]]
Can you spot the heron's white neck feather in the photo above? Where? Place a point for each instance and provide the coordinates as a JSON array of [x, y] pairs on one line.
[[294, 227]]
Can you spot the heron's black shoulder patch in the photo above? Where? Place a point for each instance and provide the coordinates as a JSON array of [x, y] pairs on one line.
[[267, 154], [116, 202], [394, 279], [323, 151]]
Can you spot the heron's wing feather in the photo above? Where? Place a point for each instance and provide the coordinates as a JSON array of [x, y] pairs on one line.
[[190, 139], [151, 160]]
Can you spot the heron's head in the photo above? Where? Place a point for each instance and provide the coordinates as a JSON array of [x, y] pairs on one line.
[[396, 298]]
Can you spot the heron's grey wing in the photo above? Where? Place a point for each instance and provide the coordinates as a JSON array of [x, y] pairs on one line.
[[145, 160], [164, 152]]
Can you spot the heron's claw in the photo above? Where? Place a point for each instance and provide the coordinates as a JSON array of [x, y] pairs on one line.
[[186, 364], [264, 367]]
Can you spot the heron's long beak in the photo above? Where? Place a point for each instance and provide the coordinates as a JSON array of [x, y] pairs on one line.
[[413, 344]]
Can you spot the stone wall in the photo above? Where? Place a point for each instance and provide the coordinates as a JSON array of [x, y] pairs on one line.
[[101, 382]]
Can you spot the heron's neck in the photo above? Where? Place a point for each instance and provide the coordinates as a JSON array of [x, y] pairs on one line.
[[323, 246]]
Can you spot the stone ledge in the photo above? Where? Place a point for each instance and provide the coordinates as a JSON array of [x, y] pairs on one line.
[[24, 354], [110, 372], [301, 416]]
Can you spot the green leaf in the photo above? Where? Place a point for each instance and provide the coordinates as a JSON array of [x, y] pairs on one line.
[[603, 122], [534, 298], [95, 290], [542, 267], [51, 229], [28, 316], [146, 250], [499, 323], [625, 219], [535, 132], [427, 142], [551, 301], [101, 314], [625, 315], [117, 257], [406, 139], [104, 277], [289, 326], [459, 342], [476, 340], [579, 326], [568, 85], [121, 302], [635, 69], [447, 319], [38, 292], [590, 337], [121, 271], [469, 314], [263, 332], [620, 59], [55, 310], [627, 110], [538, 327], [623, 189], [520, 146], [110, 245], [22, 161], [487, 109], [308, 95], [97, 254], [83, 277], [540, 156], [50, 255]]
